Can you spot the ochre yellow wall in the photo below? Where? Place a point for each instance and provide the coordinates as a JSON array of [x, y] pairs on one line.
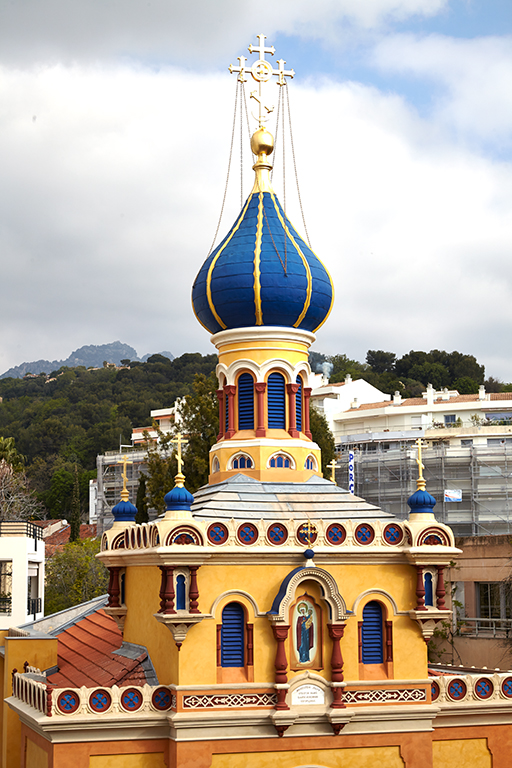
[[151, 760], [35, 756], [459, 753], [197, 658], [39, 652], [262, 350], [369, 757], [142, 587]]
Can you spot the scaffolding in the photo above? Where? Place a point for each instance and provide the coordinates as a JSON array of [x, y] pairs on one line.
[[110, 482], [387, 477]]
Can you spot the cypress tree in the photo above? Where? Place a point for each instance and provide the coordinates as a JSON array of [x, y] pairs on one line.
[[74, 520]]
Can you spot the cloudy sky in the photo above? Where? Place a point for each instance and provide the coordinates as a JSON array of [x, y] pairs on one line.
[[115, 126]]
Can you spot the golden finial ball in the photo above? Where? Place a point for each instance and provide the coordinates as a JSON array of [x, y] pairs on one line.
[[262, 142]]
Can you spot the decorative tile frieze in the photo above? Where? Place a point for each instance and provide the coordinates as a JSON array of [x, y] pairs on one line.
[[385, 696], [223, 700]]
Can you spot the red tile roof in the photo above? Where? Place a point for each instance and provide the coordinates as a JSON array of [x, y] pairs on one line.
[[56, 541], [438, 401], [85, 655]]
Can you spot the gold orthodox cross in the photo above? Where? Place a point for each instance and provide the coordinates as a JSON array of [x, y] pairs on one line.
[[421, 480], [179, 442], [308, 530], [261, 71], [332, 467], [124, 493]]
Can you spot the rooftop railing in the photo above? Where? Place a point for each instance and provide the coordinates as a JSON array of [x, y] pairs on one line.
[[21, 528]]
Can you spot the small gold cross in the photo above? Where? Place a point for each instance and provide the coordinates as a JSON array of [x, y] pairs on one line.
[[124, 493]]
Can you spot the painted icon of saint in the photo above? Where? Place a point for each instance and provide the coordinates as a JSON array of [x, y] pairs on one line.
[[305, 630]]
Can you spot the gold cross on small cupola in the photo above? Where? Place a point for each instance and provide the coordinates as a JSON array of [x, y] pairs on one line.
[[261, 71], [420, 483], [179, 441], [124, 493], [332, 467]]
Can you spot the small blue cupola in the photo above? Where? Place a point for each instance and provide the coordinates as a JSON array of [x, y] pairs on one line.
[[179, 500], [421, 501], [124, 511]]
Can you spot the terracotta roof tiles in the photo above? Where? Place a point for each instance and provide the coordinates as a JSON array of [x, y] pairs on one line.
[[85, 655]]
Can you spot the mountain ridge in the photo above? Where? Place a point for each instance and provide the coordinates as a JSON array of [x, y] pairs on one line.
[[90, 355]]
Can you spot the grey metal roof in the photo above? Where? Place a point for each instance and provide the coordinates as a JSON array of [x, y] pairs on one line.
[[244, 498]]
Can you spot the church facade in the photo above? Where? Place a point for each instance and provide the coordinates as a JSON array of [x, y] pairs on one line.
[[285, 620]]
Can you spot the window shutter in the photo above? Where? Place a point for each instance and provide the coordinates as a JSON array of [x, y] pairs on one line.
[[245, 401], [298, 405], [276, 401], [232, 636], [372, 633], [180, 592], [429, 595]]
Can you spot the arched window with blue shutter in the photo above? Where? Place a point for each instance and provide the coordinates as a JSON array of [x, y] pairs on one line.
[[298, 405], [232, 636], [181, 592], [371, 634], [429, 592], [276, 401], [245, 401]]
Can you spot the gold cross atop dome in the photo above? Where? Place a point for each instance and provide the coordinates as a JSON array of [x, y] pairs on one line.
[[124, 493], [420, 483], [261, 71], [180, 477], [332, 467]]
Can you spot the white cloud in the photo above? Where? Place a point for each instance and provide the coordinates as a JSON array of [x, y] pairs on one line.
[[172, 31], [475, 77], [111, 196]]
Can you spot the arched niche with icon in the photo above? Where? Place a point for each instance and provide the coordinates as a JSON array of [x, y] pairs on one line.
[[305, 633]]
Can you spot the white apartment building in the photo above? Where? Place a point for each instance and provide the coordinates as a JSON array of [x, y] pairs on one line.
[[22, 553], [468, 454]]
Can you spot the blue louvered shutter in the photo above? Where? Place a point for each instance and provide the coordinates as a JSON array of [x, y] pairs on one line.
[[180, 592], [245, 401], [372, 634], [429, 595], [298, 405], [232, 636], [276, 401]]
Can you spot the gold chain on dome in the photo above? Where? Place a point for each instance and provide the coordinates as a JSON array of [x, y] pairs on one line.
[[262, 71]]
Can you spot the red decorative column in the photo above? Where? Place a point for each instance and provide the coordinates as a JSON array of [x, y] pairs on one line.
[[222, 418], [114, 589], [260, 387], [219, 644], [389, 641], [193, 593], [230, 390], [167, 589], [420, 590], [440, 591], [336, 633], [292, 390], [307, 395], [281, 663], [250, 644]]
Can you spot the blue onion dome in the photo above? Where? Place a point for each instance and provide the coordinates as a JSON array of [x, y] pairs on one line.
[[178, 498], [421, 501], [262, 273], [124, 511]]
